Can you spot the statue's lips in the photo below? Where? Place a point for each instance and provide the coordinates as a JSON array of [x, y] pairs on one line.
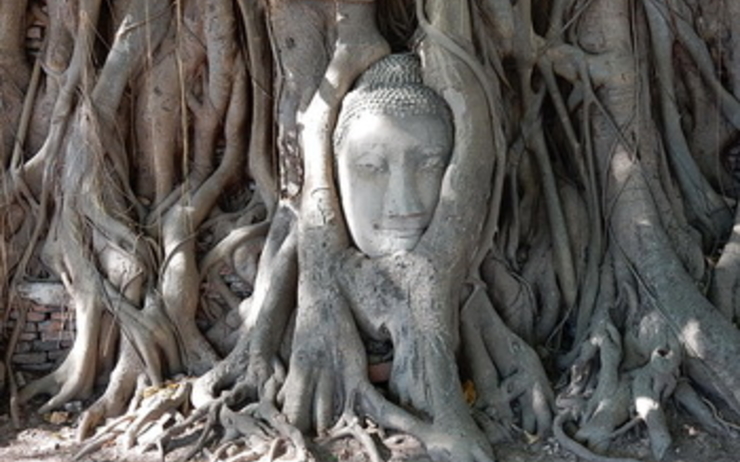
[[401, 233]]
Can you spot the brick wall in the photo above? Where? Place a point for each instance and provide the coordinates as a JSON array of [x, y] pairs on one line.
[[45, 339], [49, 330]]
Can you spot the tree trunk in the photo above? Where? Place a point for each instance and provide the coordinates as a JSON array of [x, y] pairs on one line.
[[172, 166]]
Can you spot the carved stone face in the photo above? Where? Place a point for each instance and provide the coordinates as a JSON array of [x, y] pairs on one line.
[[390, 171]]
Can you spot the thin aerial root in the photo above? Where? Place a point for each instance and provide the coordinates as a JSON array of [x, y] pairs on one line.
[[719, 418], [25, 118], [15, 408], [578, 449], [15, 399]]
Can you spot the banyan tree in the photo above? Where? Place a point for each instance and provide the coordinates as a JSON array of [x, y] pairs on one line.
[[465, 221]]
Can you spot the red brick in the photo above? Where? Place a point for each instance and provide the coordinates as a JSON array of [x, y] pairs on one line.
[[30, 358], [35, 316], [22, 347], [54, 356], [51, 326], [46, 345], [57, 336], [45, 308], [34, 32], [45, 366], [26, 336], [63, 315]]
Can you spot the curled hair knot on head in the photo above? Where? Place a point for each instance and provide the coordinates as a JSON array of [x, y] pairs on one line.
[[392, 86]]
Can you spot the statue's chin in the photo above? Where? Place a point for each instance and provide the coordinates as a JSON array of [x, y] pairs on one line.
[[389, 242]]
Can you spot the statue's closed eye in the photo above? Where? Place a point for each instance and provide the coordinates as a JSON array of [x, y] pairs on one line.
[[372, 167]]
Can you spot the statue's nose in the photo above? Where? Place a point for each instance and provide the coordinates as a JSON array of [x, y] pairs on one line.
[[402, 197]]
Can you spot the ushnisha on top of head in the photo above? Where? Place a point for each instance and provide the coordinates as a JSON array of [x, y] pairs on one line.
[[392, 86]]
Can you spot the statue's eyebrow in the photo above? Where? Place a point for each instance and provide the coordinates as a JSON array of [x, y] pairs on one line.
[[376, 147], [373, 151]]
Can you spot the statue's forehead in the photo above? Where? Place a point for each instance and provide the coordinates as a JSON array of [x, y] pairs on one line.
[[427, 131]]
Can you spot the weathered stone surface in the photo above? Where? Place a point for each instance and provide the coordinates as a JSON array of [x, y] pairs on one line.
[[44, 293]]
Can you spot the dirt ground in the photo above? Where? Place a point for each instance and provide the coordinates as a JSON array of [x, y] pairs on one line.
[[43, 441]]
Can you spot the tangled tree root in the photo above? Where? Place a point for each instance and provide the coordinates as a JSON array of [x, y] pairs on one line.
[[161, 419], [577, 448], [151, 408]]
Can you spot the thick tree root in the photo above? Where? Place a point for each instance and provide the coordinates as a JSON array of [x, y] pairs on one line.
[[258, 431], [702, 410], [167, 399], [505, 371], [576, 448], [167, 441], [651, 385], [203, 78], [125, 386]]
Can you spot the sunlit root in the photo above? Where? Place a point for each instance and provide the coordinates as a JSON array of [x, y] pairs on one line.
[[609, 402], [155, 404], [265, 317], [112, 429], [254, 431], [151, 408], [604, 396], [651, 385], [125, 378]]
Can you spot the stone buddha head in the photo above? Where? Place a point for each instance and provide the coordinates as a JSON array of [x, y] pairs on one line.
[[392, 144]]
